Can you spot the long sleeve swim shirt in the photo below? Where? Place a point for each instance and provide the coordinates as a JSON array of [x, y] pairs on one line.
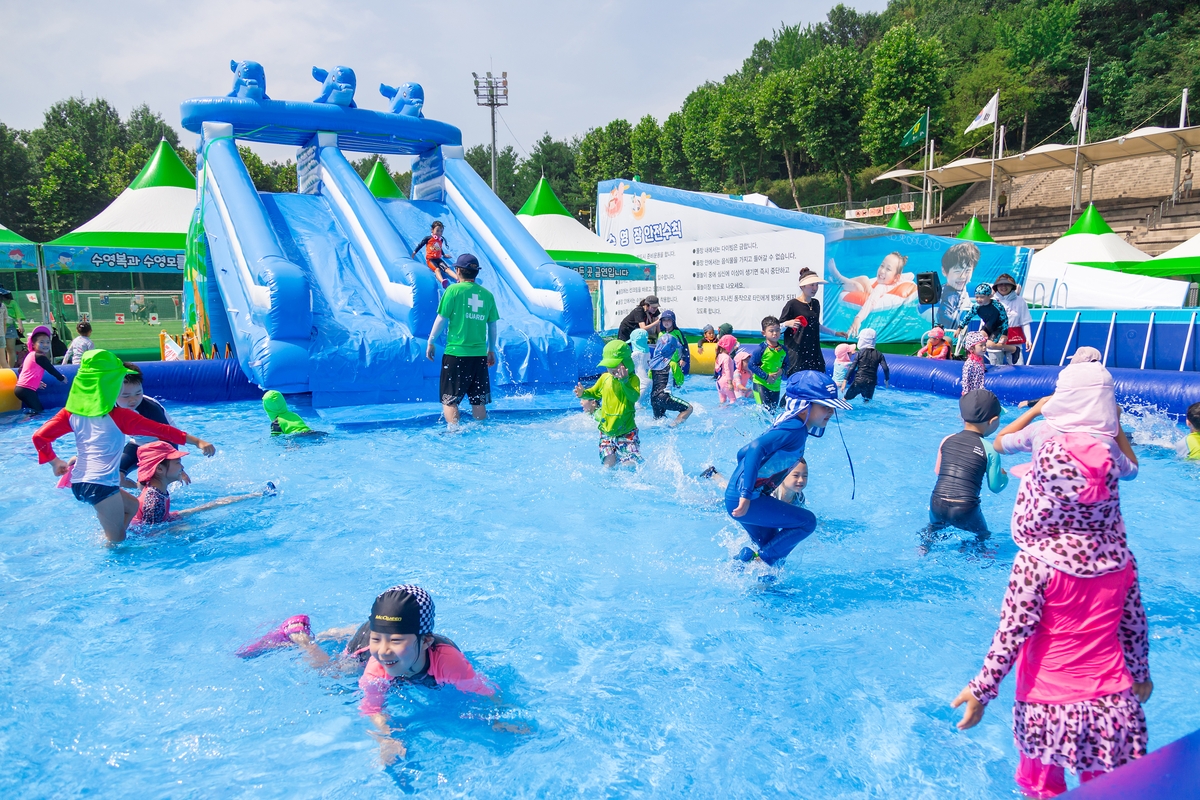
[[777, 449], [447, 666], [618, 402]]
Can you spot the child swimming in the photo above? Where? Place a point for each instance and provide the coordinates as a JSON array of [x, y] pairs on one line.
[[399, 648], [160, 465], [37, 364], [283, 420], [617, 391], [1192, 442], [1072, 621], [964, 459], [100, 427], [974, 371], [776, 527], [864, 375], [843, 359]]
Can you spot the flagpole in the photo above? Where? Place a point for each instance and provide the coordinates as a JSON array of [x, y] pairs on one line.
[[992, 179], [925, 175], [1078, 142]]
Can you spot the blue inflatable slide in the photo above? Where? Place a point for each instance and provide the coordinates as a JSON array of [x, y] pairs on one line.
[[318, 291]]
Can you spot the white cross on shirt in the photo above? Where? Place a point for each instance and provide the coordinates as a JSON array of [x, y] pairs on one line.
[[475, 303]]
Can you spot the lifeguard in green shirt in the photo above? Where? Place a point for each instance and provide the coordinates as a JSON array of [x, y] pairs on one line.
[[467, 312]]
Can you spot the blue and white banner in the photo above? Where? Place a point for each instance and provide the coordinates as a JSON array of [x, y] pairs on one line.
[[112, 259]]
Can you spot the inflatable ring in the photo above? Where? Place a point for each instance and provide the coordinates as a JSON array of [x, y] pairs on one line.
[[8, 397]]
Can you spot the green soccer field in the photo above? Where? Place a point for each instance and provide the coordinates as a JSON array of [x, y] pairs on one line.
[[132, 336]]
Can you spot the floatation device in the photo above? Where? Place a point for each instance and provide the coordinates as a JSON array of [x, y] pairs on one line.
[[8, 397]]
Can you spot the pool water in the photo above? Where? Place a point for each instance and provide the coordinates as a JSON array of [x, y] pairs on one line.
[[604, 604]]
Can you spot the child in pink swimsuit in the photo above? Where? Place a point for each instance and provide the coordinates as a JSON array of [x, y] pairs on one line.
[[1072, 621], [399, 647], [724, 368], [34, 368]]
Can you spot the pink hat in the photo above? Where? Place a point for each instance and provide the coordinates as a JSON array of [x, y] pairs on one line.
[[728, 343], [40, 329], [843, 351], [973, 338], [1083, 401], [937, 333], [153, 454]]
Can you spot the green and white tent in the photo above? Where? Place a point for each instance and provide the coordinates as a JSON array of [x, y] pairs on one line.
[[899, 222], [143, 230], [19, 252], [574, 246], [974, 231], [381, 183], [1092, 243]]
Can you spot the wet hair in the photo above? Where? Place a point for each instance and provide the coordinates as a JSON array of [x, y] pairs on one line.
[[1193, 415], [437, 223], [768, 321], [963, 254], [134, 378], [84, 328]]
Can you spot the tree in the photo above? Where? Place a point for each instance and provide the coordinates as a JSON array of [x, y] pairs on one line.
[[554, 160], [644, 149], [775, 104], [480, 159], [674, 163], [699, 140], [123, 166], [587, 162], [149, 128], [95, 127], [848, 28], [735, 139], [261, 174], [829, 115], [66, 195], [616, 150], [16, 180], [907, 77], [788, 48]]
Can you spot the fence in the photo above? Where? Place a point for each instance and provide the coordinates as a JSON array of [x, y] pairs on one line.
[[879, 207]]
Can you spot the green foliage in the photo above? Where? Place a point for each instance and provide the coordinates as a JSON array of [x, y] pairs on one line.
[[906, 77], [645, 150], [273, 176], [829, 112], [123, 166], [65, 194], [555, 160], [700, 109], [675, 169], [775, 102], [16, 177], [480, 159], [735, 139], [148, 128]]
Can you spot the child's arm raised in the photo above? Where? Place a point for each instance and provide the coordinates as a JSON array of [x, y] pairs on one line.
[[1020, 423], [134, 424]]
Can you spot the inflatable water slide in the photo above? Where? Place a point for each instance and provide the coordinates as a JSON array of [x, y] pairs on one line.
[[318, 290]]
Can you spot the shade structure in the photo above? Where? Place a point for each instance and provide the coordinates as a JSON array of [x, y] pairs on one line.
[[16, 252], [1149, 141], [572, 245], [381, 183], [974, 231], [1091, 242], [144, 229], [899, 222]]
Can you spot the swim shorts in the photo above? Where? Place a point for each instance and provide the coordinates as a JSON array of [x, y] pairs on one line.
[[661, 400], [465, 376], [93, 493], [626, 448]]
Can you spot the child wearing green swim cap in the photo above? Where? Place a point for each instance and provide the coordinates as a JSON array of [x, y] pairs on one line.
[[283, 420], [617, 391]]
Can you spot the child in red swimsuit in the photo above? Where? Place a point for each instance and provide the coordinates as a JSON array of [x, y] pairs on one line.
[[435, 252]]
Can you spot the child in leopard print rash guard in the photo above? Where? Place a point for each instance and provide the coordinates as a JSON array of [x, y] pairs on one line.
[[1072, 621]]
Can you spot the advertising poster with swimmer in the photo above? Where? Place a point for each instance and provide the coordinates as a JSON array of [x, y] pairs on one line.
[[871, 269]]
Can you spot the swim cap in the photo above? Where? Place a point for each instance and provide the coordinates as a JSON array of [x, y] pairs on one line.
[[639, 340], [668, 314], [403, 609], [709, 329], [978, 406], [41, 330], [866, 338], [728, 343], [983, 290], [973, 338], [937, 333], [725, 330], [843, 351]]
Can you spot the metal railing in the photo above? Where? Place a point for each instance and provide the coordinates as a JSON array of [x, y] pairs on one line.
[[838, 210]]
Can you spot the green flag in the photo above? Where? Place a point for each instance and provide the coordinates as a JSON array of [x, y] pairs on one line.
[[917, 132]]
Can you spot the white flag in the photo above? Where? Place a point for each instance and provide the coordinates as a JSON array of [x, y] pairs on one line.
[[987, 116], [1081, 103]]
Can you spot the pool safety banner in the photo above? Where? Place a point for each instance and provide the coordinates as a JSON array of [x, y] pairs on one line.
[[111, 259], [871, 269], [736, 279], [612, 272]]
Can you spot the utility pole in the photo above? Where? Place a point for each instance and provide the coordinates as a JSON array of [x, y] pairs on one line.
[[492, 92]]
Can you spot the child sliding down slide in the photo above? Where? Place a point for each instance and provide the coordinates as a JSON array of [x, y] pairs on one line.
[[100, 428], [399, 647]]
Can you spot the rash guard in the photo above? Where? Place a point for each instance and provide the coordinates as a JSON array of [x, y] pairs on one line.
[[33, 368], [777, 449], [445, 666], [618, 403], [764, 361], [964, 459], [99, 441]]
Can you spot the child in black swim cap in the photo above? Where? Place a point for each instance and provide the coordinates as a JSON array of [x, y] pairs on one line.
[[399, 647]]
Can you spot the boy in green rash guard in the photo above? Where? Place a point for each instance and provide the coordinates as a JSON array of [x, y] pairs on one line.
[[283, 420], [467, 311], [766, 365], [618, 391]]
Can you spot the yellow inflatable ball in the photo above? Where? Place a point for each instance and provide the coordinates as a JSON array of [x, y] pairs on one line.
[[8, 399]]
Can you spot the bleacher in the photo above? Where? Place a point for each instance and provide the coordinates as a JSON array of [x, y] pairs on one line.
[[1133, 197]]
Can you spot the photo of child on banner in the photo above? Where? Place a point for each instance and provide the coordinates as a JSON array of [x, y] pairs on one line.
[[873, 282]]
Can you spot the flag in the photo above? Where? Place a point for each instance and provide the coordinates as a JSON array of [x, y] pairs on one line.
[[1081, 103], [917, 132], [987, 116]]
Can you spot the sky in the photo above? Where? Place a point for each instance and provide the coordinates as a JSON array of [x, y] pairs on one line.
[[571, 65]]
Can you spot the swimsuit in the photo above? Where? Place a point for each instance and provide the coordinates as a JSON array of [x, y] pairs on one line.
[[444, 665]]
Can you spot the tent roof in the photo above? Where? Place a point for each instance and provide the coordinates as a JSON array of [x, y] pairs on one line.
[[543, 201], [1150, 141], [153, 213], [1090, 242], [9, 236], [1089, 221], [974, 231], [568, 242], [1189, 249], [899, 222], [381, 183]]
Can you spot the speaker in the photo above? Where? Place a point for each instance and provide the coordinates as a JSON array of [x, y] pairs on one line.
[[929, 288]]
